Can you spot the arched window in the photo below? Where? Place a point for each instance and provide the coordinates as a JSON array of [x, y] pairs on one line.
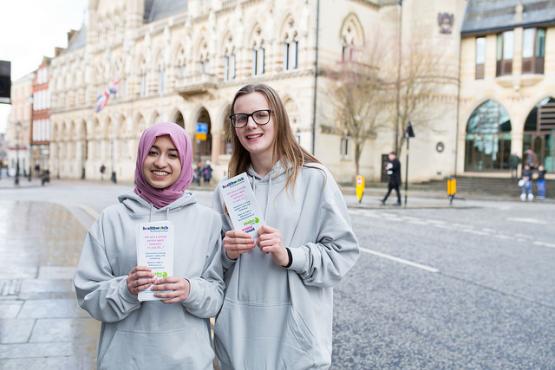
[[290, 46], [258, 53], [539, 133], [230, 72], [352, 39], [488, 138]]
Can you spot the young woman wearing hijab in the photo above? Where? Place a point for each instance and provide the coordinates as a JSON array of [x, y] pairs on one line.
[[278, 306], [173, 333]]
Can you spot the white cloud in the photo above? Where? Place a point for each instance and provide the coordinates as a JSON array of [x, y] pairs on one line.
[[30, 29]]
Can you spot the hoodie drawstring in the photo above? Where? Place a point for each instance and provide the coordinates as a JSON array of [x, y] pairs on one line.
[[267, 209], [150, 214]]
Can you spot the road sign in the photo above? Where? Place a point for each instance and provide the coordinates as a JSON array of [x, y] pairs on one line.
[[201, 132], [202, 127]]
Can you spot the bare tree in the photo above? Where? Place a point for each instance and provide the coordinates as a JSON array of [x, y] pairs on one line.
[[424, 75], [359, 98]]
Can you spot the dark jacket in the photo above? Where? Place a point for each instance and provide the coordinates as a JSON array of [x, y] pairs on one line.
[[393, 170]]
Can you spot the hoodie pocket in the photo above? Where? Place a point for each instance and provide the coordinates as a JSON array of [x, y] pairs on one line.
[[253, 337], [179, 349]]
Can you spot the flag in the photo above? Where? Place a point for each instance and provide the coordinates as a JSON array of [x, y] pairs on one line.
[[103, 99]]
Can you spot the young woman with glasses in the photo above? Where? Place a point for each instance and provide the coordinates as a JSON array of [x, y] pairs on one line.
[[278, 306]]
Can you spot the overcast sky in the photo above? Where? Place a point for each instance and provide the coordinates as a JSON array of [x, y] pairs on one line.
[[30, 29]]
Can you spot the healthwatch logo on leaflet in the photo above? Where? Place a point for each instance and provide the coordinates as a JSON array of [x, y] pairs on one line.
[[234, 182], [155, 228]]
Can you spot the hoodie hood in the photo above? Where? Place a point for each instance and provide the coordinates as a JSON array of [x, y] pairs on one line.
[[138, 207], [277, 173]]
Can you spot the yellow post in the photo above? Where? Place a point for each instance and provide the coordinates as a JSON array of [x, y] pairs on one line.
[[359, 188], [451, 188]]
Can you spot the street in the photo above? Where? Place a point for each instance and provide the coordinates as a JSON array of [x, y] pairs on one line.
[[466, 287]]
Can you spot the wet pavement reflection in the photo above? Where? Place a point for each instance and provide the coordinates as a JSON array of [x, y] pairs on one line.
[[41, 325]]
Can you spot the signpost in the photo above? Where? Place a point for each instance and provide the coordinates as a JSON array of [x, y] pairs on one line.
[[409, 133], [201, 134]]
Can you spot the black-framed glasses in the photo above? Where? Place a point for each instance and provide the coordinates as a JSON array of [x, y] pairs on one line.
[[260, 117]]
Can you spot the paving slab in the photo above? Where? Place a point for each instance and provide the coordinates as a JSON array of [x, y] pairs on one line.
[[29, 350], [51, 308], [15, 330], [75, 330], [49, 363], [9, 309]]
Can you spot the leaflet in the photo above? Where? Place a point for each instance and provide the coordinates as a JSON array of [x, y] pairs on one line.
[[241, 205], [155, 243]]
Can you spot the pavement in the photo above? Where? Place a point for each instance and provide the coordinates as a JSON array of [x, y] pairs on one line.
[[41, 325]]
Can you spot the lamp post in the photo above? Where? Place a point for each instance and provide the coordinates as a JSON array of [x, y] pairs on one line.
[[409, 133], [398, 81], [16, 179]]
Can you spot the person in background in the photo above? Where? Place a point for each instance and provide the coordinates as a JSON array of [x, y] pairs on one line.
[[531, 159], [173, 332], [207, 172], [525, 184], [198, 173], [540, 182], [393, 170]]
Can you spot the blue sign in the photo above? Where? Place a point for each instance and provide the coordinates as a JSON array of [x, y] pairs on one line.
[[202, 128]]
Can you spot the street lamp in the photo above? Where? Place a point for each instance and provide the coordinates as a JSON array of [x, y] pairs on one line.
[[17, 126]]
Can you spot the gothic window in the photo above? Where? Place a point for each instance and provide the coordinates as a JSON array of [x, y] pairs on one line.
[[258, 54], [181, 62], [204, 59], [290, 47], [351, 39], [230, 72]]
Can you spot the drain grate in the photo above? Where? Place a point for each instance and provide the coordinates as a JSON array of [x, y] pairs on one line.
[[9, 287]]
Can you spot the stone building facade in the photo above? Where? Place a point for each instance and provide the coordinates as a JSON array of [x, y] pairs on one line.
[[507, 97], [183, 61], [40, 135], [18, 132]]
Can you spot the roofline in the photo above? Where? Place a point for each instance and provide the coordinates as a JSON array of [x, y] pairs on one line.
[[483, 31]]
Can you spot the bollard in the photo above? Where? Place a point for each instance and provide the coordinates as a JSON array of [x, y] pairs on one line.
[[451, 189], [359, 188]]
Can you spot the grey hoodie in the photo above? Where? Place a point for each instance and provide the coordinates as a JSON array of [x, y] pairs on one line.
[[278, 318], [152, 335]]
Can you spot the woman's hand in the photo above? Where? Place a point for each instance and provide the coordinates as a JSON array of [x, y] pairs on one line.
[[138, 279], [237, 243], [177, 288], [269, 241]]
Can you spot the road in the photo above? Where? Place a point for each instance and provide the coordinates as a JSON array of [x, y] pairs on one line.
[[451, 288]]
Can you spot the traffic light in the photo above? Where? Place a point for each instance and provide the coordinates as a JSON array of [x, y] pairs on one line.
[[5, 79]]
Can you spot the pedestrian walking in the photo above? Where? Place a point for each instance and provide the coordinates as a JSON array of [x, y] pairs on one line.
[[207, 172], [393, 170], [278, 306], [525, 184], [173, 333], [540, 182], [102, 170]]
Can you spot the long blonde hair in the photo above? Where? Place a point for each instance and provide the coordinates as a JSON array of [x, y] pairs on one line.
[[286, 148]]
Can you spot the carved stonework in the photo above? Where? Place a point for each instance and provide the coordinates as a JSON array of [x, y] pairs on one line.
[[445, 21]]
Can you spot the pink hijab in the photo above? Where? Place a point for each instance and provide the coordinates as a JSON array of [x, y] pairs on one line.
[[162, 197]]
